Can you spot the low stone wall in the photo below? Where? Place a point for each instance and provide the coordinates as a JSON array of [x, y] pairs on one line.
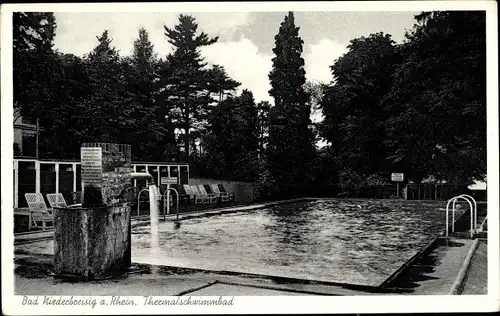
[[244, 192], [91, 243]]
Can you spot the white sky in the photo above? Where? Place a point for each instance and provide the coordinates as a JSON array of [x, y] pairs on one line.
[[245, 38]]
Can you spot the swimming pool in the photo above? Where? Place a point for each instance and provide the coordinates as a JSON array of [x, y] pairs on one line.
[[356, 242]]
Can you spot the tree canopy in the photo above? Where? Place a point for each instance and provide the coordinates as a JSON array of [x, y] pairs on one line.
[[417, 107]]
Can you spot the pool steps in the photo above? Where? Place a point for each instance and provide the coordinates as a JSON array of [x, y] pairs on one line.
[[433, 246]]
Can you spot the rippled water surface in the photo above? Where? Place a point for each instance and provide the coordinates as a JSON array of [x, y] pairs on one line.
[[359, 242]]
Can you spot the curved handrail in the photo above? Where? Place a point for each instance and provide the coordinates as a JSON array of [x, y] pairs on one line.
[[475, 209], [139, 200], [168, 201], [447, 212]]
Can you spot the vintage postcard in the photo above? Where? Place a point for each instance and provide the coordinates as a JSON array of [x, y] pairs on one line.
[[179, 158]]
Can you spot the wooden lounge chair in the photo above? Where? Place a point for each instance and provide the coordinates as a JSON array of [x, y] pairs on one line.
[[39, 210], [183, 195], [56, 200], [204, 192], [208, 199], [224, 191], [221, 198], [198, 197], [193, 195], [225, 196]]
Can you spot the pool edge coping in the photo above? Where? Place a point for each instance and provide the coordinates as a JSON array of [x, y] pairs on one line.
[[457, 286]]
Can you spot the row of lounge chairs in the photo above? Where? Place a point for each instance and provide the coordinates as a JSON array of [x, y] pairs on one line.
[[208, 194], [198, 194]]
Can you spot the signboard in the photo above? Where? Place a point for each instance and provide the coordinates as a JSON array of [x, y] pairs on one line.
[[168, 180], [397, 177], [91, 165]]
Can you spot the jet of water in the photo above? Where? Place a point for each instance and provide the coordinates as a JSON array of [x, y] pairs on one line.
[[154, 209]]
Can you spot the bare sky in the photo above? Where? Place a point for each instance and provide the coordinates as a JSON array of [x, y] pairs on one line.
[[245, 41]]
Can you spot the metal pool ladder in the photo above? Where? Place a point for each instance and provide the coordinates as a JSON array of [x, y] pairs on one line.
[[473, 213], [165, 198]]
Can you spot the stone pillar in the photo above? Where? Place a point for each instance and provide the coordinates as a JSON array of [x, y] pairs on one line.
[[93, 241]]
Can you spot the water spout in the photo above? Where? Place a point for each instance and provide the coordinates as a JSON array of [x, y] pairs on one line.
[[142, 175], [154, 207]]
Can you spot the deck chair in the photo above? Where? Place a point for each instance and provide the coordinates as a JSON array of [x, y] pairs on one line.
[[56, 200], [213, 198], [183, 195], [38, 209], [225, 197], [210, 191], [224, 191], [200, 198], [194, 195]]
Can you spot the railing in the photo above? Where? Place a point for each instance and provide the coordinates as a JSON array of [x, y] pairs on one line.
[[473, 213], [167, 204], [139, 201], [166, 201], [64, 176]]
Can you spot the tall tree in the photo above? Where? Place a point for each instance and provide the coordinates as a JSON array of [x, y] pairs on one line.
[[186, 83], [34, 61], [106, 112], [437, 125], [352, 108], [150, 131], [63, 131], [223, 85], [290, 148], [248, 134], [232, 144]]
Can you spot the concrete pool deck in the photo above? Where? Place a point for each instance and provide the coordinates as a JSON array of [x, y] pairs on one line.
[[33, 276]]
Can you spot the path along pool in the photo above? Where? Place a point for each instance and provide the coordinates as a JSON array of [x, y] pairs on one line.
[[356, 242]]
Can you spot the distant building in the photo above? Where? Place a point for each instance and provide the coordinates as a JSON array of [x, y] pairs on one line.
[[25, 136]]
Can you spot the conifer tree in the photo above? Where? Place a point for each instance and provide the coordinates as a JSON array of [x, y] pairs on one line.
[[290, 148], [186, 85]]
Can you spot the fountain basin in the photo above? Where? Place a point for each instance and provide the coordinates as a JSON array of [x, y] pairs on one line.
[[91, 243]]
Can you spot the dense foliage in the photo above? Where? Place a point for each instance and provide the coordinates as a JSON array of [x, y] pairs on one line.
[[418, 107]]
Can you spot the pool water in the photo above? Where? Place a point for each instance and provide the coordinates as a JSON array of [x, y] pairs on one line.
[[357, 242]]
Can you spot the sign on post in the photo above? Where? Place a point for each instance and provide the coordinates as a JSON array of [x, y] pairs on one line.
[[397, 177], [168, 180]]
